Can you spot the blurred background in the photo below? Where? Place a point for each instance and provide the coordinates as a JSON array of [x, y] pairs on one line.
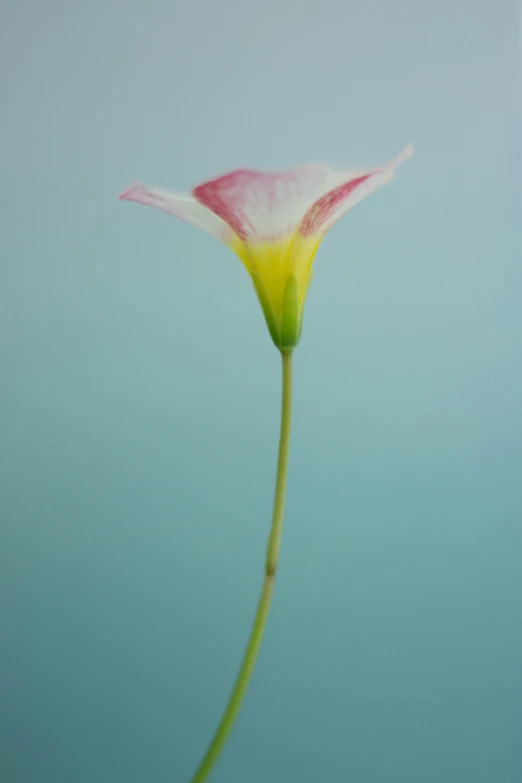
[[140, 396]]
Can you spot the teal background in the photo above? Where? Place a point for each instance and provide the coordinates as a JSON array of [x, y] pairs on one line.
[[140, 397]]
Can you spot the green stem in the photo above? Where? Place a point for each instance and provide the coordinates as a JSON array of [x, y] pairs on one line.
[[229, 716]]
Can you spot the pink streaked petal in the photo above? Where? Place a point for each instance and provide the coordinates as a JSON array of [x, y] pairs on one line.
[[181, 205], [331, 206], [266, 206], [263, 206], [325, 207]]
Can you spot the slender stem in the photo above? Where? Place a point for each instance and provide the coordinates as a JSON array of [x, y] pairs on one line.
[[274, 543]]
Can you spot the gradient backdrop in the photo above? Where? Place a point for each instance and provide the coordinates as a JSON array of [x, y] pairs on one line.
[[140, 393]]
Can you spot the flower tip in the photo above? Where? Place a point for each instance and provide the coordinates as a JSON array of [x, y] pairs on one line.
[[396, 162], [127, 194], [405, 154]]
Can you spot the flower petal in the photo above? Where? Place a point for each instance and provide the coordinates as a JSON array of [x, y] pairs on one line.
[[261, 206], [354, 186], [181, 205]]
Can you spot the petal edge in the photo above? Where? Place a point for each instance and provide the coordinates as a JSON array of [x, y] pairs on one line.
[[181, 205]]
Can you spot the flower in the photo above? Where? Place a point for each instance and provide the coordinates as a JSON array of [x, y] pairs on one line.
[[274, 222]]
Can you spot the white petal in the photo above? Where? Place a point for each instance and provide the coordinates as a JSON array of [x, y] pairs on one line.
[[181, 205], [261, 206], [350, 187]]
